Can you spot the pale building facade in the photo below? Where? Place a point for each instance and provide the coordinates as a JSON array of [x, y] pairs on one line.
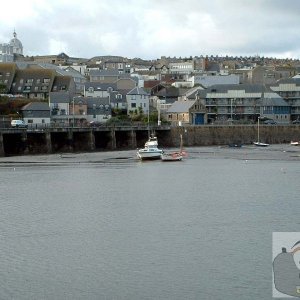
[[8, 50]]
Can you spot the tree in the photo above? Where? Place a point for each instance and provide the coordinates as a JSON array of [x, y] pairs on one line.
[[2, 88]]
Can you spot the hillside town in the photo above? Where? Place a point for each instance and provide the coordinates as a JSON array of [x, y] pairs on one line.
[[61, 90]]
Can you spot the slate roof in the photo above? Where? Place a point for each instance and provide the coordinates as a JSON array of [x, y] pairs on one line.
[[34, 74], [97, 101], [36, 106], [249, 88], [59, 97], [224, 88], [138, 91], [62, 81], [168, 92], [98, 106], [98, 86], [181, 106], [287, 81], [273, 99], [107, 73]]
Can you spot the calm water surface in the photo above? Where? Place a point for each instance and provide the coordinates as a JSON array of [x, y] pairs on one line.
[[106, 226]]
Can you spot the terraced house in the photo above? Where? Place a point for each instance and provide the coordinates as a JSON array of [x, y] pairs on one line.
[[35, 81]]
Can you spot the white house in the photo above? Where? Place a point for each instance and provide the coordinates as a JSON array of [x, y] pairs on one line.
[[137, 101], [97, 89], [36, 113]]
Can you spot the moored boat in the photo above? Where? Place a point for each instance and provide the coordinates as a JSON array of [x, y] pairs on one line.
[[175, 156], [258, 143], [294, 143], [150, 150]]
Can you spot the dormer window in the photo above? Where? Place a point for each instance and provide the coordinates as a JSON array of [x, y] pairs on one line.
[[91, 90]]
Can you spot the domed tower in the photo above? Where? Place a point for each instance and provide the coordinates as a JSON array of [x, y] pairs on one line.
[[16, 44]]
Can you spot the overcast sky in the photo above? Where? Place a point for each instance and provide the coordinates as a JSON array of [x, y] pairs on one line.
[[150, 29]]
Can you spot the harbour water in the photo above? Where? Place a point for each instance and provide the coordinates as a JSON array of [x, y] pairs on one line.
[[107, 226]]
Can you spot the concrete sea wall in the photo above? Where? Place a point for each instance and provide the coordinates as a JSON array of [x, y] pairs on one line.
[[222, 135], [22, 141]]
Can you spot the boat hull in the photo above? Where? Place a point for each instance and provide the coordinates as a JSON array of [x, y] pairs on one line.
[[171, 157], [295, 143], [259, 144], [149, 155]]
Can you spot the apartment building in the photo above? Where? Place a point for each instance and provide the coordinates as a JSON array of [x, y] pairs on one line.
[[289, 90], [243, 103]]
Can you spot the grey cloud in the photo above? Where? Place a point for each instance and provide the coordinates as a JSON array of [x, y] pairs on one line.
[[135, 28]]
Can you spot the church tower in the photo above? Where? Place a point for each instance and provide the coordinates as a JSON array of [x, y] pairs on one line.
[[16, 44]]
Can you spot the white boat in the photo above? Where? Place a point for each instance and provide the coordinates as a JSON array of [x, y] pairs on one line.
[[293, 143], [150, 150], [258, 143]]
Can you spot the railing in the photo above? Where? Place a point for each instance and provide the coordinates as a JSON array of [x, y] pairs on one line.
[[99, 127]]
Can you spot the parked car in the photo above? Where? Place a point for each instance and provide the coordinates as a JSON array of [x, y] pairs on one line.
[[270, 122], [96, 124], [18, 124], [296, 122]]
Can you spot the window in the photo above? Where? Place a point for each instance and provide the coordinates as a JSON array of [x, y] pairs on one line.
[[38, 81], [133, 105], [46, 80]]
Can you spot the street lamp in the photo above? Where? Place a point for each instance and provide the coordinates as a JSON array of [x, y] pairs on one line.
[[231, 110], [158, 112], [73, 111]]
